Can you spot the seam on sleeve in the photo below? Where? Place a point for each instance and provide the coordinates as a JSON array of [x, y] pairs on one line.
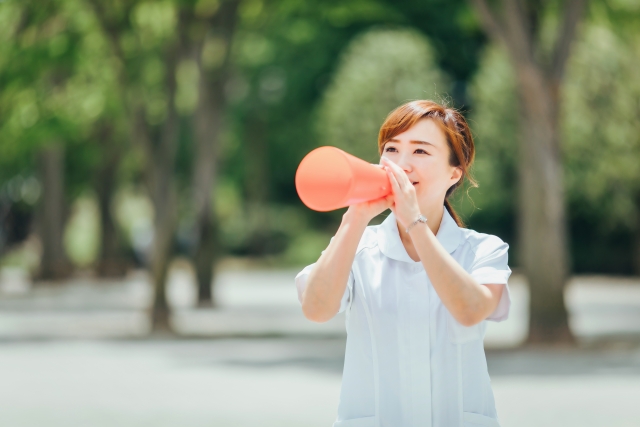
[[495, 276], [503, 309]]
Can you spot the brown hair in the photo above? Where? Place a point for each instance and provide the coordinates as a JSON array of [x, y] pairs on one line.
[[455, 127]]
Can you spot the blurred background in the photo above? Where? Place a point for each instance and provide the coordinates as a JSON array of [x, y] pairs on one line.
[[150, 230]]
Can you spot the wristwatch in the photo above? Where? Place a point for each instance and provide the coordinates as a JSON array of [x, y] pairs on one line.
[[421, 218]]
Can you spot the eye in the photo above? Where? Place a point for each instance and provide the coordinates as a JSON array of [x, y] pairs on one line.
[[420, 151], [388, 149]]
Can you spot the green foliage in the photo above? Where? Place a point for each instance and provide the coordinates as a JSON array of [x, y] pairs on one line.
[[454, 31], [600, 143], [494, 124], [306, 247], [304, 74], [284, 54], [601, 128], [379, 70], [57, 83]]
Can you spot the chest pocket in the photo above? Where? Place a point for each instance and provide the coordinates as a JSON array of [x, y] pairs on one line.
[[459, 333]]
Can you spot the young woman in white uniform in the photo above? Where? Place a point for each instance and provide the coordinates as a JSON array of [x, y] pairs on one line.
[[417, 294]]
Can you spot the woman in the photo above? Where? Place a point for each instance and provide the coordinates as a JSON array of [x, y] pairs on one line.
[[417, 288]]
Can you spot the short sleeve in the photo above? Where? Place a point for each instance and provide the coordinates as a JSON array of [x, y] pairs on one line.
[[301, 284], [491, 267]]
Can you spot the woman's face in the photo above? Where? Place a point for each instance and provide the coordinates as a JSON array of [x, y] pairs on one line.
[[423, 153]]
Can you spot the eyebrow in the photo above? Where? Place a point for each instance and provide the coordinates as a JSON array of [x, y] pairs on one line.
[[414, 142]]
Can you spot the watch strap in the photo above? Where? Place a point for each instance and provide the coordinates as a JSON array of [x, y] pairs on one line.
[[421, 218]]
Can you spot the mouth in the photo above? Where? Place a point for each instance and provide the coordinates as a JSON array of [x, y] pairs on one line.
[[415, 183]]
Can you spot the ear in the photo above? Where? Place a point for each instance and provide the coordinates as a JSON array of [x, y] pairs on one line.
[[456, 175]]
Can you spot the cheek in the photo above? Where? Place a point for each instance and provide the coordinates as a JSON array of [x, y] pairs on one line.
[[434, 174], [431, 171]]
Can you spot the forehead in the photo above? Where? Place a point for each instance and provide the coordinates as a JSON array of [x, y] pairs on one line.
[[424, 130]]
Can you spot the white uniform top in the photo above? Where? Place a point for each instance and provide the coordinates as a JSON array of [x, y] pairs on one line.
[[408, 362]]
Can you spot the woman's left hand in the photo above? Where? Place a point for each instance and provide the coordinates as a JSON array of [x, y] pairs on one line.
[[405, 206]]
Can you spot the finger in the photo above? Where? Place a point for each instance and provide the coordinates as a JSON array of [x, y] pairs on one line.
[[391, 163], [386, 202], [395, 186], [391, 168], [401, 176], [391, 201]]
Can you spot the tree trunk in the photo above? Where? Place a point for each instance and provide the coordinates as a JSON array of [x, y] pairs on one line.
[[159, 144], [636, 238], [205, 259], [160, 167], [51, 214], [111, 262], [208, 127], [164, 232], [165, 224], [257, 184], [542, 216], [4, 213]]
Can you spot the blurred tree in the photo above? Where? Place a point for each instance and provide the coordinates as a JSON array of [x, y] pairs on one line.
[[39, 51], [454, 33], [111, 261], [212, 53], [601, 131], [542, 217], [174, 58], [283, 56], [60, 74], [399, 64], [494, 122], [148, 40], [93, 162], [51, 213]]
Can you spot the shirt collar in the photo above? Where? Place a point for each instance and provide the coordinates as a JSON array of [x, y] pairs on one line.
[[449, 235]]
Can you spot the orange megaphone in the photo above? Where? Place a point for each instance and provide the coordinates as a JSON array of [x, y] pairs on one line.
[[329, 178]]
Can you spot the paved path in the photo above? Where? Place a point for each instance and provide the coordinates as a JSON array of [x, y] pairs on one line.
[[265, 303], [289, 373], [280, 382]]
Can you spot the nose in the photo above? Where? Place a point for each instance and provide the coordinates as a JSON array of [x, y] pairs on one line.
[[404, 161]]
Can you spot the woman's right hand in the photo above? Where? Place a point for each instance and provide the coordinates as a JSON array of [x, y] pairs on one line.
[[366, 211]]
